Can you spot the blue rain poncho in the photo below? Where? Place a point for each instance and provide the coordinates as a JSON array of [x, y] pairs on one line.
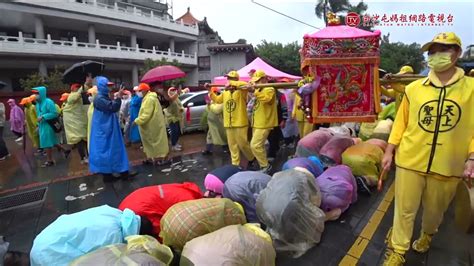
[[135, 105], [73, 235], [244, 188], [46, 109], [107, 153]]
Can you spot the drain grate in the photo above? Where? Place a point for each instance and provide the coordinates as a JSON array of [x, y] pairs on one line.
[[22, 199]]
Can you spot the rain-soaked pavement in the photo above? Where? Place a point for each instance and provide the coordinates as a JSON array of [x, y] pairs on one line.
[[357, 238]]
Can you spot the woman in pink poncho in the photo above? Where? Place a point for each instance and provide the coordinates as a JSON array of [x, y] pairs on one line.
[[17, 120]]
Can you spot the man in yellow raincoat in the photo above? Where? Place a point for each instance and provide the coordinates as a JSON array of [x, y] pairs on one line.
[[264, 119], [433, 135], [304, 126], [236, 121], [75, 121], [31, 121], [152, 126]]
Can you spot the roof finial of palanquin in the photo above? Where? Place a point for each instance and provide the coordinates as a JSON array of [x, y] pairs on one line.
[[333, 19]]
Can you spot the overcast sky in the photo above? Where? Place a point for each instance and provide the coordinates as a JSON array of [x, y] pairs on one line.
[[235, 19]]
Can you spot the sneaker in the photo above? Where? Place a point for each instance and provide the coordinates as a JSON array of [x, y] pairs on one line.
[[422, 244], [162, 162], [176, 148], [178, 145], [3, 158], [291, 145], [270, 159], [266, 170], [84, 161], [362, 186], [20, 139], [393, 258]]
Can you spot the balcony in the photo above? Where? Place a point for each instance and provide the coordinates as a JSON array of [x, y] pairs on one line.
[[47, 47], [118, 11]]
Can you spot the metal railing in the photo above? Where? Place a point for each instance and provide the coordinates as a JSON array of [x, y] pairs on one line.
[[22, 44]]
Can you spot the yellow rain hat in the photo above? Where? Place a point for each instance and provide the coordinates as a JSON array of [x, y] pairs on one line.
[[258, 75], [233, 74], [447, 38], [406, 70]]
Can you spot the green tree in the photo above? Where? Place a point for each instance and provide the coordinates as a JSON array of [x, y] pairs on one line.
[[150, 64], [33, 80], [53, 81], [395, 55], [283, 57]]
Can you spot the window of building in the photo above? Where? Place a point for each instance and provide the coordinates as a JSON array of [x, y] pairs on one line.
[[202, 82], [204, 62]]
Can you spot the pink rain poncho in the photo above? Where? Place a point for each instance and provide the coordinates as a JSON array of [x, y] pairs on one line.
[[334, 148], [312, 143], [338, 188], [17, 117]]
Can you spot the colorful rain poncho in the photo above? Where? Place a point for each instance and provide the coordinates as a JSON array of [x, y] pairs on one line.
[[215, 180], [334, 148], [365, 160], [152, 202], [151, 123], [244, 188], [139, 250], [46, 109], [135, 104], [289, 207], [75, 118], [107, 149], [312, 143], [238, 245], [73, 235], [17, 117], [190, 219], [338, 188], [312, 164]]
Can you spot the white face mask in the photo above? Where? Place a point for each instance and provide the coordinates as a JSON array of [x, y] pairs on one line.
[[140, 94], [91, 99], [125, 98]]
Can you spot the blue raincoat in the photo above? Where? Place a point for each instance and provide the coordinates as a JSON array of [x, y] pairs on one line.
[[244, 188], [107, 153], [46, 109], [135, 105], [73, 235]]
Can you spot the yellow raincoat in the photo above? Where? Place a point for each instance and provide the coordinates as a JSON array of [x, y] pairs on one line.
[[174, 112], [32, 124], [235, 105], [75, 119], [90, 112], [433, 140], [265, 109], [151, 123], [216, 127], [235, 120], [304, 127]]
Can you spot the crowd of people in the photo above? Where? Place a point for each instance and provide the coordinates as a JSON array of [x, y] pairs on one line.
[[429, 127]]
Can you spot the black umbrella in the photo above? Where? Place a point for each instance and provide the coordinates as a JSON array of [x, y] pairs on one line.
[[2, 85], [77, 73]]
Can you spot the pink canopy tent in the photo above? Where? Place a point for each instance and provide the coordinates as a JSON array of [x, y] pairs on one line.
[[258, 64]]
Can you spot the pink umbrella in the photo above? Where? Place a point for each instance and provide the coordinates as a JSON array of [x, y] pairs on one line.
[[162, 73]]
